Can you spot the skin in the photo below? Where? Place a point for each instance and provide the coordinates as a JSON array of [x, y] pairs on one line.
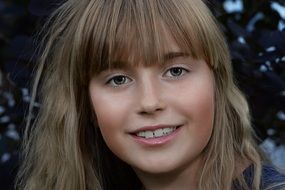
[[179, 92]]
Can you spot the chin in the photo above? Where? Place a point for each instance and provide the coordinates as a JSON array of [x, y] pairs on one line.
[[156, 168]]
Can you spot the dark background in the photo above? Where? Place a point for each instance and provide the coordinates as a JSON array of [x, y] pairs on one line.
[[255, 31]]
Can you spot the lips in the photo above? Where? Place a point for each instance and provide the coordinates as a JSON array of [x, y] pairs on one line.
[[158, 135]]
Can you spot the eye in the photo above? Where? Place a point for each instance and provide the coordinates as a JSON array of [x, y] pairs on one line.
[[118, 80], [176, 72]]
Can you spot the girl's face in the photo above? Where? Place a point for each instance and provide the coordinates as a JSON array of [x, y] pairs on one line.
[[158, 118]]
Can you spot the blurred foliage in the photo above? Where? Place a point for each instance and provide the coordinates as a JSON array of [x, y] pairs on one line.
[[256, 38], [255, 31]]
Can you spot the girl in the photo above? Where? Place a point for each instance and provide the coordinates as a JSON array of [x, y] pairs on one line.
[[139, 95]]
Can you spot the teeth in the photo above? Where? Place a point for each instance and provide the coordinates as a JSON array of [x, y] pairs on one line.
[[156, 133], [148, 134], [141, 134]]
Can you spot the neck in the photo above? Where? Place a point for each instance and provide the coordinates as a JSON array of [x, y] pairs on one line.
[[182, 178]]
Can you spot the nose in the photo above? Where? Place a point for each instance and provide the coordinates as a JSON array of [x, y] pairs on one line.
[[150, 100]]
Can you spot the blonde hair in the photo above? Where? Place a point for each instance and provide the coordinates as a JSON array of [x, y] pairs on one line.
[[63, 149]]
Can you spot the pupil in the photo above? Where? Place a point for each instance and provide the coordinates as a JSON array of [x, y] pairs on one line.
[[119, 79], [176, 71]]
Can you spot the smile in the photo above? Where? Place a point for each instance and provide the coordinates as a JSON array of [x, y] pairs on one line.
[[156, 133]]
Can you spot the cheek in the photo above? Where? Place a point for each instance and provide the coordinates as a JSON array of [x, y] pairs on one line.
[[111, 113], [203, 104], [197, 103], [112, 118], [102, 109], [201, 118], [197, 99]]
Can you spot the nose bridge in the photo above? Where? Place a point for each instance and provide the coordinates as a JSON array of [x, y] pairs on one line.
[[149, 89], [150, 93]]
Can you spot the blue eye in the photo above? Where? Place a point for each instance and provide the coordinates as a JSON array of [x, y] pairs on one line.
[[118, 80], [176, 72]]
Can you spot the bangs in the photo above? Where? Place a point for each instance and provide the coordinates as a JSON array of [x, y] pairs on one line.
[[116, 33]]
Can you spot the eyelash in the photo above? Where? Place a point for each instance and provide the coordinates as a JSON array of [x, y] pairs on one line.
[[112, 82]]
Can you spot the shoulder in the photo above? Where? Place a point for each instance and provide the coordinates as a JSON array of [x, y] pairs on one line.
[[271, 178]]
